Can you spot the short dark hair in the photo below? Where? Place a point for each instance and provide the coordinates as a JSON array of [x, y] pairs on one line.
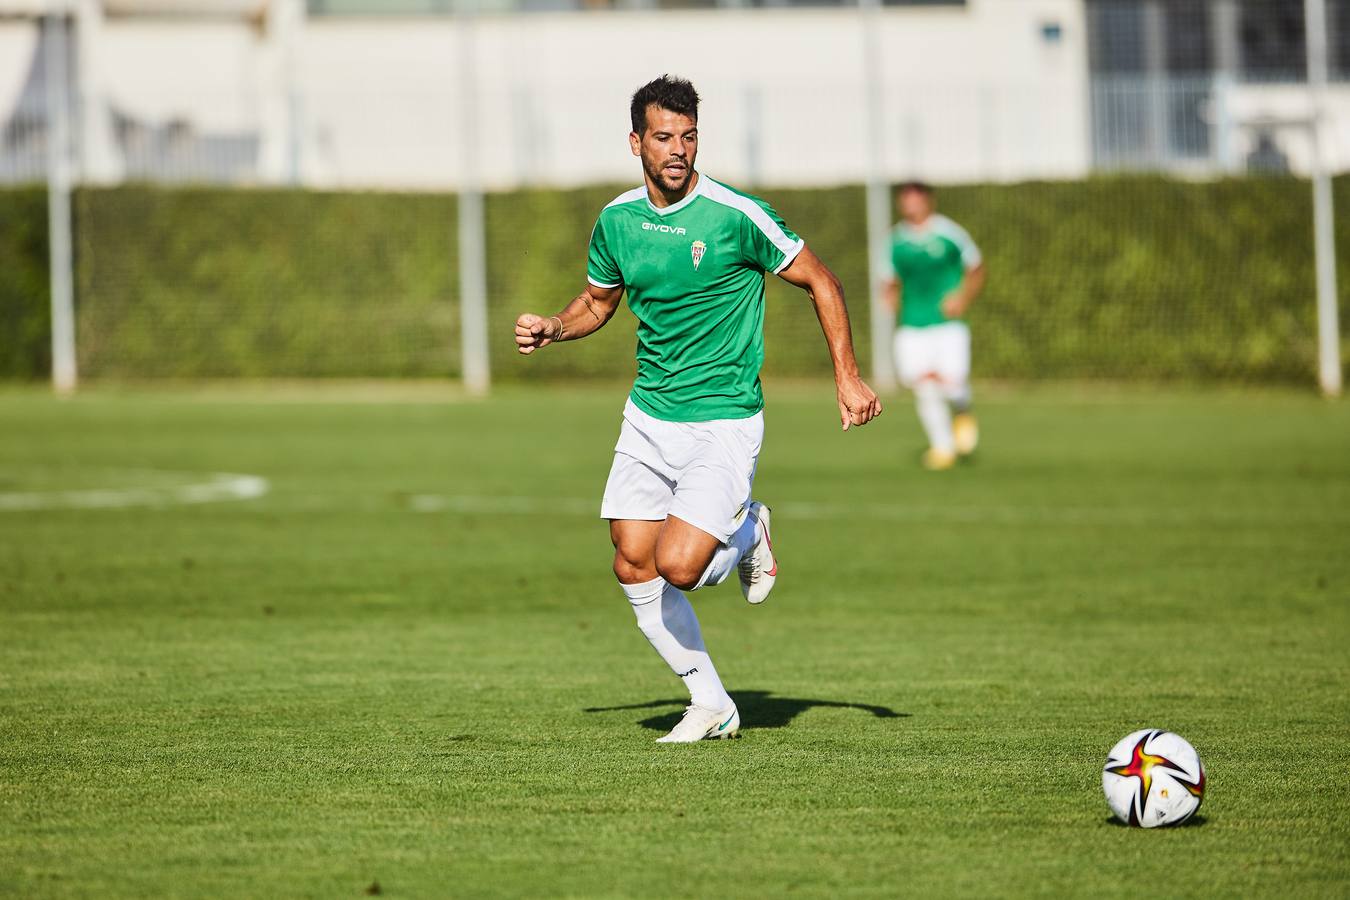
[[922, 187], [666, 92]]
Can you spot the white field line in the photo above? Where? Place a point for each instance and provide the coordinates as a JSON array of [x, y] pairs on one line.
[[1106, 516], [511, 506], [796, 509], [218, 487]]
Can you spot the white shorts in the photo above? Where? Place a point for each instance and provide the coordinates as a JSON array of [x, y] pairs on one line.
[[700, 472], [936, 351]]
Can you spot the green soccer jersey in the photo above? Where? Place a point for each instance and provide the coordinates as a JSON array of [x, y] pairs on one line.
[[694, 275], [930, 261]]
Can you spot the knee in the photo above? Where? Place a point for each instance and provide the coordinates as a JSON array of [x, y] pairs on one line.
[[927, 387], [630, 570], [677, 571]]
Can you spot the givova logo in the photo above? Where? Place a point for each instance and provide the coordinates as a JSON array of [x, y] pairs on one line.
[[664, 229]]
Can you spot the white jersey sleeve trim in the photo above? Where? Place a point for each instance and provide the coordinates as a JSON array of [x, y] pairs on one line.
[[971, 257], [790, 256], [592, 281], [786, 245], [637, 193]]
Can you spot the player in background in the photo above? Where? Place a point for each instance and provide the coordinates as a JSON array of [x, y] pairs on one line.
[[938, 274], [691, 254]]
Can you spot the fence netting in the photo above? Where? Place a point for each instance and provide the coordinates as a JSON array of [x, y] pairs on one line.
[[1149, 217]]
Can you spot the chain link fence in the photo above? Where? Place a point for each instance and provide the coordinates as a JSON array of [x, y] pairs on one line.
[[286, 204]]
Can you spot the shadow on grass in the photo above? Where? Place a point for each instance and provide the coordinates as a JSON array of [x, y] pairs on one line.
[[759, 709], [1196, 821]]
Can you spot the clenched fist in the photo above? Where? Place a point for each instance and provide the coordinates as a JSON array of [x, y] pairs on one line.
[[534, 332]]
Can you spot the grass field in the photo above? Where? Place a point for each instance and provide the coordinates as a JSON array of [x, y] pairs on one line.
[[409, 665]]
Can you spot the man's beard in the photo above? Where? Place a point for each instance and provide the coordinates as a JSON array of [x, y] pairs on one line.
[[656, 172]]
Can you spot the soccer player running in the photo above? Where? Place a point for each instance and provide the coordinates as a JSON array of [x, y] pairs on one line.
[[691, 254], [938, 274]]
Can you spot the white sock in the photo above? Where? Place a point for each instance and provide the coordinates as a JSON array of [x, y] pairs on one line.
[[935, 415], [666, 618], [958, 396], [727, 555]]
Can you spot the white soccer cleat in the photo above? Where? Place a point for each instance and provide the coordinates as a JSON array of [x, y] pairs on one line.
[[700, 723], [758, 568]]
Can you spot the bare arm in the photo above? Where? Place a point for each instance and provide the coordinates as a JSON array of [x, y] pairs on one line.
[[955, 304], [586, 314], [891, 295], [858, 405]]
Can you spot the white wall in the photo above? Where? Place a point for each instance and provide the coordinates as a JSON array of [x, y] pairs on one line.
[[201, 71], [973, 93], [22, 156], [18, 40]]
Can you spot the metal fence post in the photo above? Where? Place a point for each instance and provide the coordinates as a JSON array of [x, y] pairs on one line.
[[878, 196], [1328, 327], [474, 361], [56, 38]]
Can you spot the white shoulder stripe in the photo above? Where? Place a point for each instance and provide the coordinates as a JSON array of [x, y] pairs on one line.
[[636, 193], [944, 226], [970, 254], [720, 194]]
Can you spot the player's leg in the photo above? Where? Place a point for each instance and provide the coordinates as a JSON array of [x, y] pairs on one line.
[[956, 384], [921, 366], [915, 362], [690, 558], [931, 401], [748, 552], [714, 526], [667, 619], [638, 496], [663, 612]]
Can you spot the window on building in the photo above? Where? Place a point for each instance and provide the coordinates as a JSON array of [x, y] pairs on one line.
[[1188, 36], [1338, 37], [1271, 33], [1116, 37]]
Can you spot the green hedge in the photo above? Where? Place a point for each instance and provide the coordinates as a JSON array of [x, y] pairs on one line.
[[1113, 277], [191, 283], [25, 323], [1148, 276], [1119, 277]]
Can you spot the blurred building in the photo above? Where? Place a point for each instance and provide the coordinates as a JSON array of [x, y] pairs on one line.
[[426, 93], [1205, 85]]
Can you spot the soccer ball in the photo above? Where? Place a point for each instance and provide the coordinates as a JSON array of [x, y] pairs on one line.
[[1153, 778]]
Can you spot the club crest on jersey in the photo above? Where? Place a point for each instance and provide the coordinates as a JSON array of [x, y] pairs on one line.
[[696, 250]]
